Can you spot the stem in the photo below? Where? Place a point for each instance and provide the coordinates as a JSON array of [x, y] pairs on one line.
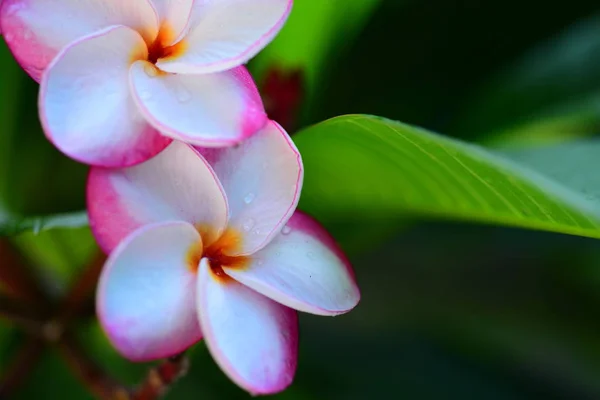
[[23, 363], [160, 378], [77, 298], [15, 275], [22, 314], [92, 376]]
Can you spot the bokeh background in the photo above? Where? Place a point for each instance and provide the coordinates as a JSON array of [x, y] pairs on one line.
[[449, 310]]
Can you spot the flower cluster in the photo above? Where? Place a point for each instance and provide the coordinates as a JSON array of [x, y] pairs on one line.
[[192, 191]]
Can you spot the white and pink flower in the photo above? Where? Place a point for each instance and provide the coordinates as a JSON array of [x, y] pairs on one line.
[[120, 79], [208, 243]]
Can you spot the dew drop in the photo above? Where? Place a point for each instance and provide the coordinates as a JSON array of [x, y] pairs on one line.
[[145, 94], [286, 230], [150, 70], [183, 94], [310, 256], [249, 198], [248, 224]]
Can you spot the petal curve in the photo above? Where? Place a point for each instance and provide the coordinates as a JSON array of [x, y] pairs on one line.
[[227, 33], [177, 184], [262, 178], [173, 15], [85, 105], [210, 110], [302, 268], [253, 339], [36, 30], [146, 293]]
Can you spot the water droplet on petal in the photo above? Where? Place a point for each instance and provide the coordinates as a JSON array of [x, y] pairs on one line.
[[256, 232], [150, 70], [145, 94], [249, 198], [183, 94], [248, 224], [310, 256], [286, 230]]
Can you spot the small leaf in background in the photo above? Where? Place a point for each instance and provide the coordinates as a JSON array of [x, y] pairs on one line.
[[550, 95], [58, 254], [35, 178], [362, 168], [315, 33]]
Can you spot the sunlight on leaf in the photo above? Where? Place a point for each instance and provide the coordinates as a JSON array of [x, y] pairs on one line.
[[364, 168]]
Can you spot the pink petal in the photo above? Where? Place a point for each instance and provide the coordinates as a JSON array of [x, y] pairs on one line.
[[226, 33], [36, 30], [302, 268], [147, 290], [173, 15], [177, 184], [85, 104], [262, 178], [210, 110], [253, 339]]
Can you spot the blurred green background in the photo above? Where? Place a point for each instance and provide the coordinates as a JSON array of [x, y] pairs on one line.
[[449, 310]]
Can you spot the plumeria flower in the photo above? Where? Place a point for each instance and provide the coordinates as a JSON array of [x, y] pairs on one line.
[[208, 243], [121, 78]]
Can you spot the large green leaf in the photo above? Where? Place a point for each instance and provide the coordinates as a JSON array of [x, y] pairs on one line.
[[363, 169]]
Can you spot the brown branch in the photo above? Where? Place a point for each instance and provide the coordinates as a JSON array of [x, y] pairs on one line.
[[160, 379], [77, 299], [21, 366], [24, 315], [93, 377], [15, 275]]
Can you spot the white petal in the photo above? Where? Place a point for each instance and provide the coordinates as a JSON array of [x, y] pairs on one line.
[[36, 30], [253, 339], [302, 268], [86, 106], [226, 33], [147, 291], [177, 184], [174, 16], [262, 178], [206, 110]]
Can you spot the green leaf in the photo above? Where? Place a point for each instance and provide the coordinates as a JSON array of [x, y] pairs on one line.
[[58, 246], [368, 170], [35, 178], [550, 95], [13, 225]]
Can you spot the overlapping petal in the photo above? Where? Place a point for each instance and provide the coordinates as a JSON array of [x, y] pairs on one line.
[[205, 110], [226, 33], [262, 178], [36, 30], [252, 338], [178, 184], [302, 268], [174, 16], [146, 293], [85, 104]]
